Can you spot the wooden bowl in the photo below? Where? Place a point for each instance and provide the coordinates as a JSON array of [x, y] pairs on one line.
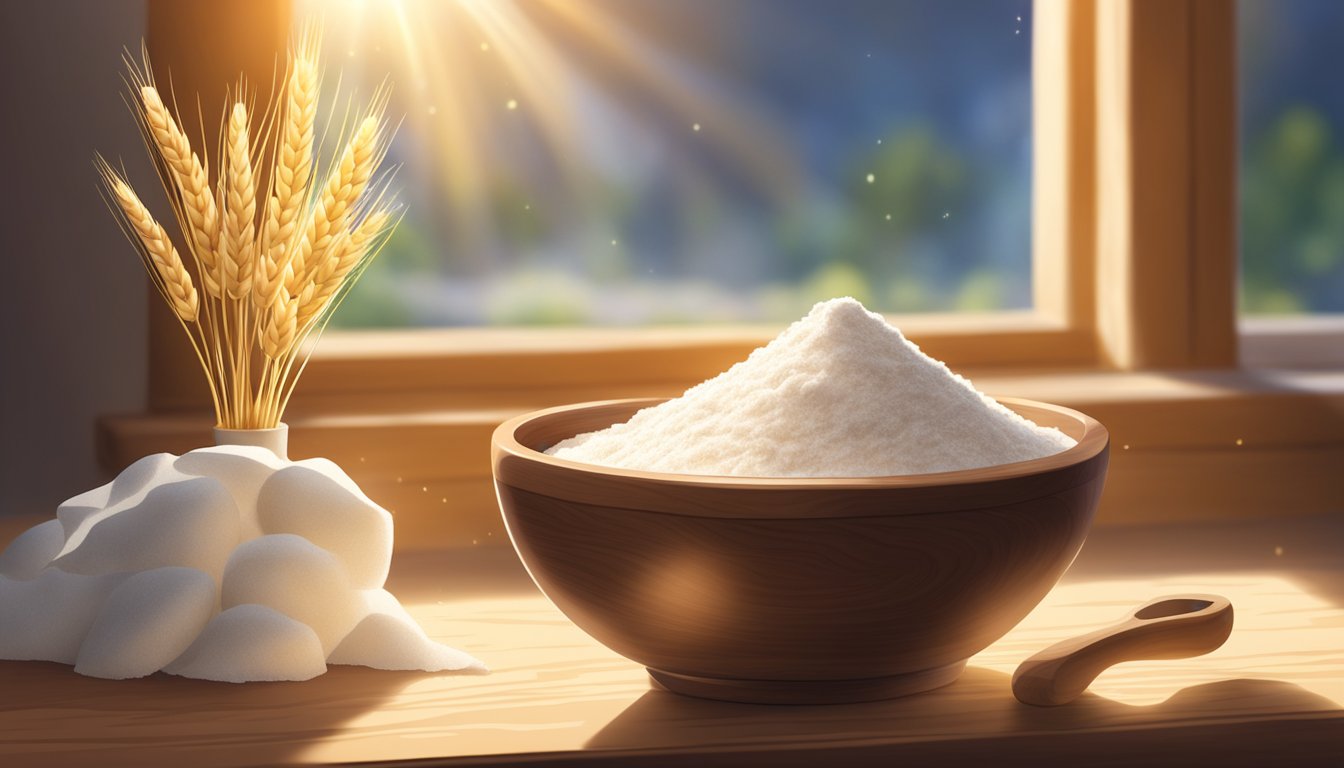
[[794, 590]]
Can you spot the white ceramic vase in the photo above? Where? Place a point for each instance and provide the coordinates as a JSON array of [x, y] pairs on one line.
[[275, 439]]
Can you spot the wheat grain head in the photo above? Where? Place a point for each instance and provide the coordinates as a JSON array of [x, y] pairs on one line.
[[347, 251], [193, 184], [293, 168], [238, 235], [344, 185], [282, 327], [162, 255]]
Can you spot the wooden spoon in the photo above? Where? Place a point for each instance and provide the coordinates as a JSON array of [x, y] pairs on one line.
[[1172, 627]]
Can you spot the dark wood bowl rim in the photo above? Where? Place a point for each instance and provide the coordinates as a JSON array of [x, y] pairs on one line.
[[524, 467]]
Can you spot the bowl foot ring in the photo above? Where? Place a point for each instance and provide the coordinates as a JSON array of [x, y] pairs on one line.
[[808, 691]]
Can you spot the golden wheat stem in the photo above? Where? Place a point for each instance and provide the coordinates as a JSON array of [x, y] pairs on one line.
[[239, 231], [139, 227], [345, 184], [345, 254], [271, 264], [379, 224], [193, 182], [292, 173], [180, 291]]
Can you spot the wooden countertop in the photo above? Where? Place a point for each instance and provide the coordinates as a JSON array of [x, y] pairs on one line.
[[1273, 695]]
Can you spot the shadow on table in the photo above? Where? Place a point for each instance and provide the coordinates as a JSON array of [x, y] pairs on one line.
[[175, 721], [977, 717], [478, 572]]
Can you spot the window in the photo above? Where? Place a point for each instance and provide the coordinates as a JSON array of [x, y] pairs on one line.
[[634, 162], [1292, 156], [1133, 292]]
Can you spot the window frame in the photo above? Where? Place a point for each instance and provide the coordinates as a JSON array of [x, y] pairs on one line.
[[1134, 259], [1133, 248]]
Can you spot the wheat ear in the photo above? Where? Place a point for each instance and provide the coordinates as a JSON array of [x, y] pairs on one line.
[[343, 188], [172, 272], [193, 183], [345, 254], [281, 328], [237, 240], [293, 171]]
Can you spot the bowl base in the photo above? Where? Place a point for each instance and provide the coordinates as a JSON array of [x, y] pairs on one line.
[[808, 691]]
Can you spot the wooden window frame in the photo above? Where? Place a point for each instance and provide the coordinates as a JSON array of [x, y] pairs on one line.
[[1135, 268]]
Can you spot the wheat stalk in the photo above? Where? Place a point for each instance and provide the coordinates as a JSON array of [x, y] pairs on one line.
[[274, 262], [193, 183], [293, 170], [240, 202], [345, 253], [162, 256], [282, 328], [344, 186]]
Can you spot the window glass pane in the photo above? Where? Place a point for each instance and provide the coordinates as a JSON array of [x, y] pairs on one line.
[[1292, 156], [650, 161]]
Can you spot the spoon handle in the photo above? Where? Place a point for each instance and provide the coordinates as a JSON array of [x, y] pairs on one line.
[[1172, 627]]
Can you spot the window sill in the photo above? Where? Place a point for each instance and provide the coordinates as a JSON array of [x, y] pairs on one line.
[[1305, 341], [475, 368], [1191, 445]]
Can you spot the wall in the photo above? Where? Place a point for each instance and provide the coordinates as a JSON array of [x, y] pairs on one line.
[[73, 292]]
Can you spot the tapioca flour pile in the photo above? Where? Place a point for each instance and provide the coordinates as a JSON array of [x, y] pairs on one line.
[[840, 393]]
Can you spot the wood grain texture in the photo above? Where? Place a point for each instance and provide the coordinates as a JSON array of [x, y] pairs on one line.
[[1166, 205], [797, 590], [1064, 165], [1272, 695], [1169, 627]]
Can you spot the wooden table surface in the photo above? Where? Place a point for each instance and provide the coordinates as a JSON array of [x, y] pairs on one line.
[[1273, 695]]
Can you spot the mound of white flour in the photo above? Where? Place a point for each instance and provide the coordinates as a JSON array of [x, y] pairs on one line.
[[840, 393], [225, 563]]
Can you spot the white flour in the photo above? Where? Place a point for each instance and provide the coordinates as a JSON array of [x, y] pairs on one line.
[[840, 393]]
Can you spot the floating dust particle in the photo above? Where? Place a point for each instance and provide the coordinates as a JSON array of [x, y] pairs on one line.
[[1278, 551], [398, 479], [350, 53], [1125, 447], [879, 141], [947, 214], [1240, 441], [615, 242], [361, 459], [485, 46], [512, 104], [424, 489], [888, 217], [433, 110], [444, 499], [696, 127], [871, 178]]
